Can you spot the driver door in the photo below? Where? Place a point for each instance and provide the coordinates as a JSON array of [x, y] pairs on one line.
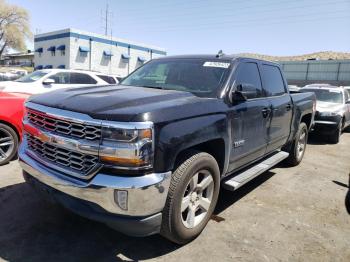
[[249, 119], [62, 80]]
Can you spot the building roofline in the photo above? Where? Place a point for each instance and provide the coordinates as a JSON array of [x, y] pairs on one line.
[[71, 32]]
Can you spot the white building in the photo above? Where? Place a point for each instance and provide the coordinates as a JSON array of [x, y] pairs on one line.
[[75, 49]]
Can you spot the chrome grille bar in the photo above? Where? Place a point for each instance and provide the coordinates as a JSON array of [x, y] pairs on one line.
[[64, 127], [76, 161]]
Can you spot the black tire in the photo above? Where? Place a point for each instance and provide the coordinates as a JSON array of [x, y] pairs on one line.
[[173, 227], [295, 156], [7, 153], [335, 137]]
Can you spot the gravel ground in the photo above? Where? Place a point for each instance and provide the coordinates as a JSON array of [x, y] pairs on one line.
[[286, 214]]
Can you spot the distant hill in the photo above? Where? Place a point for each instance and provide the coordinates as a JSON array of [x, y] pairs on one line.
[[325, 55]]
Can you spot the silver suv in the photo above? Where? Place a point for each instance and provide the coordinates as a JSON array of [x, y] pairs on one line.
[[332, 110]]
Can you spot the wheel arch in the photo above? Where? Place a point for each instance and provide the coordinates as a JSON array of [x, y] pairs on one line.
[[214, 147], [307, 119]]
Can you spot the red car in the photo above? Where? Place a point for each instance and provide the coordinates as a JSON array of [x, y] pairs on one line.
[[11, 114]]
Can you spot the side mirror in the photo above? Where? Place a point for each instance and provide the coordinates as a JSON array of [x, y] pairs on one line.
[[243, 92], [48, 81]]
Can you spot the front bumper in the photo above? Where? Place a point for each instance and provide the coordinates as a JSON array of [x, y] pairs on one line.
[[146, 195], [326, 124]]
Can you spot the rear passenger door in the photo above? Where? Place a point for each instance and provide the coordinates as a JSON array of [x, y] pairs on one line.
[[281, 106], [81, 79], [108, 79]]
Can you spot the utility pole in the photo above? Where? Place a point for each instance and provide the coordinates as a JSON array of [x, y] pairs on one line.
[[106, 20], [106, 17]]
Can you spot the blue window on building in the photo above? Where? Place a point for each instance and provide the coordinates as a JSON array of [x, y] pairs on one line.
[[62, 49], [52, 49], [125, 57]]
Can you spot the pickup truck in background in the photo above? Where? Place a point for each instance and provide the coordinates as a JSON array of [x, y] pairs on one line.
[[150, 155]]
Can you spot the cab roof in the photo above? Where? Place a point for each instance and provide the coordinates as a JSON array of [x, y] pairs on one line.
[[215, 56], [325, 87]]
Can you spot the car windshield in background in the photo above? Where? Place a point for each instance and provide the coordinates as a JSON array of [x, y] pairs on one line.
[[198, 76], [326, 95], [32, 77]]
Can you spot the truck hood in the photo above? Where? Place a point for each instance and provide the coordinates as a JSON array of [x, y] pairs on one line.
[[328, 107], [128, 103]]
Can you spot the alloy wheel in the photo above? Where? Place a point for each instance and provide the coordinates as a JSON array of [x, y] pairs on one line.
[[301, 144], [6, 144], [197, 199]]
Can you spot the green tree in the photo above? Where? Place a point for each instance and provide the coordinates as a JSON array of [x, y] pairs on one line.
[[14, 27]]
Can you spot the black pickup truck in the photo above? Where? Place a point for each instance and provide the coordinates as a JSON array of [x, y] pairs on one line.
[[150, 155]]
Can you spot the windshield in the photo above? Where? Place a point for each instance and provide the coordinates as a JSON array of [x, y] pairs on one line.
[[36, 75], [326, 95], [198, 76]]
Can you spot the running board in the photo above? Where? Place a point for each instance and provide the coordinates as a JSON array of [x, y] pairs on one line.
[[247, 175]]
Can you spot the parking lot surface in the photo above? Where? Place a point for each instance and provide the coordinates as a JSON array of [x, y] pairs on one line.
[[286, 214]]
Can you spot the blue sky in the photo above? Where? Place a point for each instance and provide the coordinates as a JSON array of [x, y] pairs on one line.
[[273, 27]]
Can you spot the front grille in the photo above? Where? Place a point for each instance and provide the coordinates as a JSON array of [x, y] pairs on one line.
[[75, 161], [59, 126]]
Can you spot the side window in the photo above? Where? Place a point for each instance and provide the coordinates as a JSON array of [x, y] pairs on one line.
[[61, 78], [346, 95], [272, 80], [248, 73], [80, 78], [108, 79]]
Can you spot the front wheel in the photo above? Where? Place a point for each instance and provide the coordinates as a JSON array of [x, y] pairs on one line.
[[298, 148], [8, 144], [192, 197]]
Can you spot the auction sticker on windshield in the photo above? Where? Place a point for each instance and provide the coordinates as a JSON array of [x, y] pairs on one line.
[[216, 64]]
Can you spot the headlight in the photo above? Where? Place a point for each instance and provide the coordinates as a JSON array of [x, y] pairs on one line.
[[127, 145]]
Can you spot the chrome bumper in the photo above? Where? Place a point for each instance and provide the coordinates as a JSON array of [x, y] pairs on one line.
[[319, 122], [146, 195]]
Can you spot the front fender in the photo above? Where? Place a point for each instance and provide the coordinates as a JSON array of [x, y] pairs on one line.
[[173, 138]]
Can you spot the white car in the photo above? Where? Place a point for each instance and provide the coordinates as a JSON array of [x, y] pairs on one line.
[[347, 88], [46, 80]]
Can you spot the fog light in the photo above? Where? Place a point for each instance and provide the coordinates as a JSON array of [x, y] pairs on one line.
[[121, 198]]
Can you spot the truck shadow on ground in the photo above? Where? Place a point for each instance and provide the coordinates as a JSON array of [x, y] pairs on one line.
[[316, 138], [228, 198], [34, 230]]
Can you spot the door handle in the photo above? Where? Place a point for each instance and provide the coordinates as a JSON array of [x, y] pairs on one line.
[[266, 112], [288, 107]]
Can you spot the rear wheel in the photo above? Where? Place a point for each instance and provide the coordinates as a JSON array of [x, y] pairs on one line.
[[192, 197], [8, 144], [298, 148]]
